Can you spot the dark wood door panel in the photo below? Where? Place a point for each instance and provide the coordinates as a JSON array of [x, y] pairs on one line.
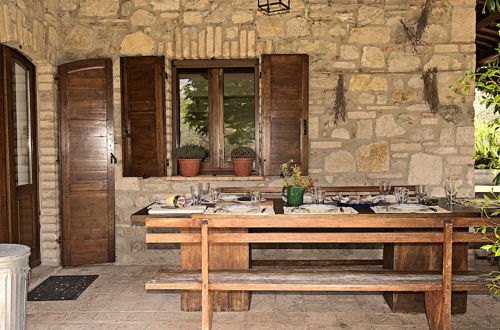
[[87, 182]]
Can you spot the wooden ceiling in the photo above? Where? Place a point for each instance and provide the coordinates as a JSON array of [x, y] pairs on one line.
[[487, 38]]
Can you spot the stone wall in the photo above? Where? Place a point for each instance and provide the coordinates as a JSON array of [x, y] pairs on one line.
[[33, 28], [390, 133]]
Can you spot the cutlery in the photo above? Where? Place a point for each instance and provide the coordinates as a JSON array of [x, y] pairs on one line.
[[341, 210], [433, 209], [263, 210]]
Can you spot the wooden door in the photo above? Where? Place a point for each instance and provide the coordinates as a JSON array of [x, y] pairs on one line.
[[19, 218], [87, 170], [285, 104]]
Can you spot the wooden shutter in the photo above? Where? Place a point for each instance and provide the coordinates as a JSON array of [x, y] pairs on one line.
[[285, 101], [143, 116], [87, 172]]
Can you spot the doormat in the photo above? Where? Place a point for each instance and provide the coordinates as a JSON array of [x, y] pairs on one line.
[[61, 287]]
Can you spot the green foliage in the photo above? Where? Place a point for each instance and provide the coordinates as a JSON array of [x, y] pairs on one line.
[[190, 151], [491, 6], [239, 109], [292, 175], [486, 79], [487, 146], [243, 152], [493, 244]]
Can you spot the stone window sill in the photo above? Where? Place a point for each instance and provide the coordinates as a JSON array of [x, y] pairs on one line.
[[214, 178]]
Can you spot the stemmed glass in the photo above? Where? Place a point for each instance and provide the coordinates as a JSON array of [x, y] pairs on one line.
[[401, 194], [204, 188], [256, 197], [319, 196], [384, 188], [421, 192], [214, 194], [451, 187], [196, 194]]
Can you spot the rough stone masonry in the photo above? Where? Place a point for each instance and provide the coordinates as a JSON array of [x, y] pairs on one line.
[[389, 134]]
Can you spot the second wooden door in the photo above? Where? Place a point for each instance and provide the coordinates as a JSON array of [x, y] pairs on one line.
[[87, 162]]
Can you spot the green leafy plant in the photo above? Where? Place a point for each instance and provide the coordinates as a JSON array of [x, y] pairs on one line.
[[491, 234], [491, 6], [292, 175], [191, 151], [487, 146], [243, 152]]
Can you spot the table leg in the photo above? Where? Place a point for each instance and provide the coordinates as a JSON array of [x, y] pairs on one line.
[[422, 257], [222, 256]]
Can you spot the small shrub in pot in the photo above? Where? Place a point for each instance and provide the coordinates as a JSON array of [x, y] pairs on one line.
[[189, 158], [242, 158]]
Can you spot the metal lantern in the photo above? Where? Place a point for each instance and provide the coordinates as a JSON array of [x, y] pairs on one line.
[[273, 6]]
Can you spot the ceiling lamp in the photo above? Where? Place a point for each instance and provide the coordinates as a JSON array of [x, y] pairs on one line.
[[273, 6]]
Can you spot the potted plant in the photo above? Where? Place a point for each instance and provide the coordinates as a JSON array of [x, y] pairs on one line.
[[189, 158], [294, 184], [242, 158]]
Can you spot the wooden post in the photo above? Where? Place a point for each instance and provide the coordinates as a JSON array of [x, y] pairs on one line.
[[438, 303], [206, 305]]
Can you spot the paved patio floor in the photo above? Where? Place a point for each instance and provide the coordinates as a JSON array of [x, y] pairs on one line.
[[117, 300]]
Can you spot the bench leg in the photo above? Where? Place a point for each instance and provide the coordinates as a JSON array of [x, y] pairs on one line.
[[206, 299]]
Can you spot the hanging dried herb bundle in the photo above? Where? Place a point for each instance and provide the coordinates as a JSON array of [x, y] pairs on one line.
[[339, 105], [431, 92], [414, 34]]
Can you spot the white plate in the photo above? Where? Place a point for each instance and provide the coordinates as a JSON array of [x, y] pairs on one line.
[[240, 208], [319, 208], [228, 198]]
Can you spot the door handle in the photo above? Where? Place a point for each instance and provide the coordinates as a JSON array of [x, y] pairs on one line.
[[113, 159]]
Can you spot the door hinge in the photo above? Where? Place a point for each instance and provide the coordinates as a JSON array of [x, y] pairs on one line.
[[305, 127], [260, 74], [167, 162], [58, 240]]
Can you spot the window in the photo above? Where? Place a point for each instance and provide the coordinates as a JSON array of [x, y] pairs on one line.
[[215, 107]]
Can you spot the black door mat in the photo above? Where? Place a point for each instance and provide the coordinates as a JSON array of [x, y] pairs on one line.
[[61, 287]]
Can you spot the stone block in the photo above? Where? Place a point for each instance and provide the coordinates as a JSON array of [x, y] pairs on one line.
[[270, 26], [349, 52], [99, 8], [403, 61], [137, 43], [373, 57], [425, 169], [461, 32], [192, 18], [365, 82], [340, 161], [465, 135], [370, 35], [373, 157], [386, 126]]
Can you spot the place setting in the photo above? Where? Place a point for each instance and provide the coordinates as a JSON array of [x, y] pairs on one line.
[[402, 202], [319, 205], [253, 203]]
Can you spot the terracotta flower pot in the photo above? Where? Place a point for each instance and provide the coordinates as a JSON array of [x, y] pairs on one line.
[[242, 166], [189, 167]]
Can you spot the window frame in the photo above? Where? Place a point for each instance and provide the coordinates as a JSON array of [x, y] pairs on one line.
[[217, 165]]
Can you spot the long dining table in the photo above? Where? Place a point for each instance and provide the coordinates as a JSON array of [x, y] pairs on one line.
[[396, 256]]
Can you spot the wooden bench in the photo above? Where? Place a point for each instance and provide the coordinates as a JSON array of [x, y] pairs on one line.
[[437, 286]]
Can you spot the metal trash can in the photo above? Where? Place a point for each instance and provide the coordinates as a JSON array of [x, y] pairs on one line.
[[14, 271]]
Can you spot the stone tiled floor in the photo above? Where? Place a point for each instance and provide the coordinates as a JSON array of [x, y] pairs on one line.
[[117, 300]]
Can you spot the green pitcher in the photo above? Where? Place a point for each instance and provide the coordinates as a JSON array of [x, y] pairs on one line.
[[294, 196]]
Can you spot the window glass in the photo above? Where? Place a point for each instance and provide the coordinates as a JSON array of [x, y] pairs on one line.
[[194, 104], [239, 109], [22, 120]]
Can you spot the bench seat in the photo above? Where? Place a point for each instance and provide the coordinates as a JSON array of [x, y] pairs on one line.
[[316, 280]]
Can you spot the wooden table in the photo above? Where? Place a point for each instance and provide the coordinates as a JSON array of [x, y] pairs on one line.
[[397, 256]]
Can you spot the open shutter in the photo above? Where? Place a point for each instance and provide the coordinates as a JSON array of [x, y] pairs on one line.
[[143, 102], [285, 100]]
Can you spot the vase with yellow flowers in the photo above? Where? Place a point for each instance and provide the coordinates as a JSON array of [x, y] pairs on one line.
[[294, 183]]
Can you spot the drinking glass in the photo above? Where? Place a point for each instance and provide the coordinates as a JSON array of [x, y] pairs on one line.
[[196, 194], [401, 194], [421, 192], [319, 196], [384, 188], [204, 188], [451, 187], [256, 196], [214, 194]]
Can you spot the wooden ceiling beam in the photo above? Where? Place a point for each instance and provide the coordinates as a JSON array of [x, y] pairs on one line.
[[491, 18]]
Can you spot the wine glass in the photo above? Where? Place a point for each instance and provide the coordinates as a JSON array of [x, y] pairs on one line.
[[384, 188], [319, 196], [421, 192], [196, 194], [401, 194], [214, 194], [451, 187], [204, 188]]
